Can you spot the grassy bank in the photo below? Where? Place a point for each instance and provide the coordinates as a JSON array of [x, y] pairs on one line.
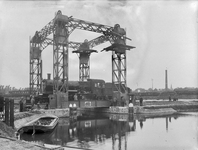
[[177, 105]]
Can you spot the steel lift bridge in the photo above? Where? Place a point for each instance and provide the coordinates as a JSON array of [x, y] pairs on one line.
[[61, 27]]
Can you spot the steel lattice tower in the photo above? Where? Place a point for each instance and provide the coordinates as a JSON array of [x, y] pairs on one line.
[[119, 71], [35, 65], [84, 60], [60, 53], [118, 49]]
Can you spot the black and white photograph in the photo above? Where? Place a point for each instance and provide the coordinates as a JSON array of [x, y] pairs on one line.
[[98, 74]]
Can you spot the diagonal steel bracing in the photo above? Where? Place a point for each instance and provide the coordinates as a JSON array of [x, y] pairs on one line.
[[60, 52], [84, 71], [119, 71], [35, 68]]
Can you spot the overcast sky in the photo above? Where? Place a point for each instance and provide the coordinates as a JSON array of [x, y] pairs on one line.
[[163, 32]]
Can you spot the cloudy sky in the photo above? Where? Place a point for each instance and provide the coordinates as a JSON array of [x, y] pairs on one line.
[[163, 32]]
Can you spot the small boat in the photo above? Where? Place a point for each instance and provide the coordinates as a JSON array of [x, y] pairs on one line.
[[44, 123]]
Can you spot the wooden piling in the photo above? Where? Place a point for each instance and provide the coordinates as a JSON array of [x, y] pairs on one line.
[[1, 104], [12, 112], [7, 111]]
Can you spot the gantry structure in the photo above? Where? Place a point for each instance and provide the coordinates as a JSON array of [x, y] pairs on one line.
[[61, 26]]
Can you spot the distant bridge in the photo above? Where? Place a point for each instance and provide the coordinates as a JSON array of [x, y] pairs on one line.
[[17, 93], [180, 94]]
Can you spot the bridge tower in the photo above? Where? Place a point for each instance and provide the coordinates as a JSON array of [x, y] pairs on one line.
[[60, 53], [119, 68], [35, 64], [84, 53], [60, 58]]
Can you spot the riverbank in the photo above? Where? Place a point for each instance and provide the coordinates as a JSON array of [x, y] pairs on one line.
[[9, 142], [7, 134], [181, 105]]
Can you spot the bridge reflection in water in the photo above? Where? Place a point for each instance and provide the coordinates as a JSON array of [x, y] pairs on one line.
[[87, 131], [98, 131]]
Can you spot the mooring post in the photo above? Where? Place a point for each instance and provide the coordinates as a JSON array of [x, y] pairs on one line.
[[1, 104], [2, 117], [7, 111], [33, 129], [12, 112]]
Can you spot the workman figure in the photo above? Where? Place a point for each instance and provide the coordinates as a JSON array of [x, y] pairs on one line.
[[169, 97], [114, 101], [24, 103], [75, 97], [122, 101], [32, 101], [21, 105]]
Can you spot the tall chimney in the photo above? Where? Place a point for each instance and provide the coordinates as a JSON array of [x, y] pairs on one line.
[[166, 80], [48, 76]]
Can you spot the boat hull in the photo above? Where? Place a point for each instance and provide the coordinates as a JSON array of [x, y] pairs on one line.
[[40, 125]]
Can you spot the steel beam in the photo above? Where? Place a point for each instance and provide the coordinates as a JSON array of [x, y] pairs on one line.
[[60, 60], [84, 71], [88, 26], [119, 71], [45, 43], [75, 45], [99, 40], [35, 69], [46, 30], [72, 24]]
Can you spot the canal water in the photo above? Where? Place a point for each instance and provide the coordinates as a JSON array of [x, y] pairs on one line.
[[124, 132]]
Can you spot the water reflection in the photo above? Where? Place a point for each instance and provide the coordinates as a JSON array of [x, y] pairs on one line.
[[97, 132]]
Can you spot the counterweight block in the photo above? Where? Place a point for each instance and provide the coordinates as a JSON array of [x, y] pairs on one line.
[[35, 53], [61, 18], [61, 32], [84, 64], [61, 35]]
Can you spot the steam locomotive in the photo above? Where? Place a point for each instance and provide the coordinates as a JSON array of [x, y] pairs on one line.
[[92, 89]]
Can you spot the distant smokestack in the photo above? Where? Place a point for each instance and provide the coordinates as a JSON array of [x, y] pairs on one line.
[[166, 80], [48, 76]]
